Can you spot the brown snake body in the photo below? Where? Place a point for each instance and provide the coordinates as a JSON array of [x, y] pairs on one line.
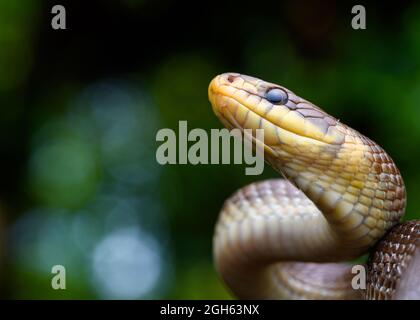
[[343, 196]]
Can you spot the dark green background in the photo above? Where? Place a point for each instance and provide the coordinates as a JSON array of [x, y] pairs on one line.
[[80, 109]]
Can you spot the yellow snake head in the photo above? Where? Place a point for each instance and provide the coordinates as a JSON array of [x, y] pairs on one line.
[[250, 103]]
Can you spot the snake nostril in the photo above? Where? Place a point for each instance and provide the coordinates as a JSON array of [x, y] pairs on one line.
[[231, 78]]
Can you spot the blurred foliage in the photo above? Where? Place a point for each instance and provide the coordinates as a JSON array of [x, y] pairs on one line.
[[80, 109]]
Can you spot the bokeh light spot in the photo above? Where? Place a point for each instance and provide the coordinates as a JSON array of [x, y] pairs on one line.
[[126, 265]]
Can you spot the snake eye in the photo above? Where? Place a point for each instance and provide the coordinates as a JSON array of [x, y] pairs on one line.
[[276, 96]]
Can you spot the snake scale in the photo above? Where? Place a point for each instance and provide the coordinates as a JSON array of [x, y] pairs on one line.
[[342, 197]]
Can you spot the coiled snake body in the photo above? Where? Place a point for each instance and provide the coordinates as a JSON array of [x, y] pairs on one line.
[[343, 196]]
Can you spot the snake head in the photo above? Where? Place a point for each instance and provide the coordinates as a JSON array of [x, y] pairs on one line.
[[245, 102]]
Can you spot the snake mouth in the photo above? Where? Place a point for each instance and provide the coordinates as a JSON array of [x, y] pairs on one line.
[[230, 122], [243, 98]]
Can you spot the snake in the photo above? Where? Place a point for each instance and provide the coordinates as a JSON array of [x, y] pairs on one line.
[[340, 197]]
